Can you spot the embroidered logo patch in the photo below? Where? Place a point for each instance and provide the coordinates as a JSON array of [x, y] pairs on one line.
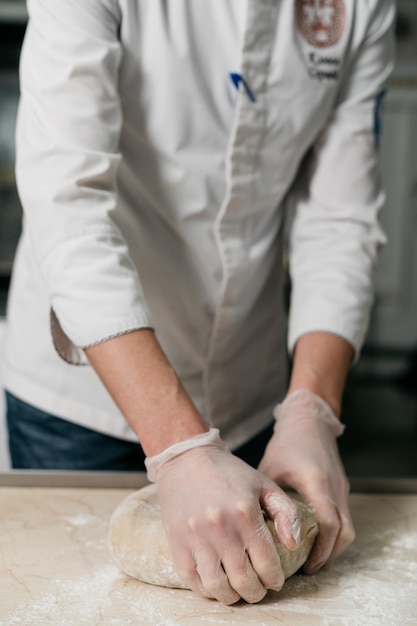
[[321, 22]]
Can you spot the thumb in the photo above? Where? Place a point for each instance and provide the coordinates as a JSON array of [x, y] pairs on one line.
[[284, 513]]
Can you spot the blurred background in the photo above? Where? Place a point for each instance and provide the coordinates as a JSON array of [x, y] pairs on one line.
[[380, 406]]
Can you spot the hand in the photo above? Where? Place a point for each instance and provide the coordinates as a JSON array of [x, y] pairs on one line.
[[303, 454], [211, 509]]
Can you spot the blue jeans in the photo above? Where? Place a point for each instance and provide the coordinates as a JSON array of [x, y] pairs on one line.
[[39, 440]]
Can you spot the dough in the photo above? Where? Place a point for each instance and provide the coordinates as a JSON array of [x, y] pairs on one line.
[[139, 544]]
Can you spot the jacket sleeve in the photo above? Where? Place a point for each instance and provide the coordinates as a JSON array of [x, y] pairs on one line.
[[335, 235], [68, 130]]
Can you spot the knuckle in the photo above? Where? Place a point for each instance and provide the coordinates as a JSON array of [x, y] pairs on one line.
[[326, 515], [348, 535], [329, 523], [325, 511], [244, 510], [331, 517], [248, 588], [214, 516], [272, 578]]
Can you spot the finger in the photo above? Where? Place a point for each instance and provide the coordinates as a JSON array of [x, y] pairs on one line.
[[347, 531], [186, 569], [284, 512], [346, 534], [329, 527], [336, 529], [212, 578], [242, 576], [269, 573], [261, 550]]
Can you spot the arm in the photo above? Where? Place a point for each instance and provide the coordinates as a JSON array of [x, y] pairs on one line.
[[146, 389], [321, 364], [335, 239], [303, 452]]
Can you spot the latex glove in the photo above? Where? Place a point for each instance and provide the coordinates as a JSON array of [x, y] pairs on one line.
[[303, 454], [211, 509]]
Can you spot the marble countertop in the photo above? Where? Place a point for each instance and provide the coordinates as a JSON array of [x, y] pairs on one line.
[[55, 569]]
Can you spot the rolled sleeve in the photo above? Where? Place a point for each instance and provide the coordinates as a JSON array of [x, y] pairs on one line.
[[335, 235], [68, 131]]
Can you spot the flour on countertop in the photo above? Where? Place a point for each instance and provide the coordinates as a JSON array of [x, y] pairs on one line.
[[83, 519], [364, 584], [361, 588], [70, 602]]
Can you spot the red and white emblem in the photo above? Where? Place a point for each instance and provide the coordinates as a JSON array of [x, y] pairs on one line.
[[321, 22]]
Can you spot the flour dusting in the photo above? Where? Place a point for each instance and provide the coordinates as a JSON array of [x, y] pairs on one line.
[[71, 581], [82, 519], [70, 602]]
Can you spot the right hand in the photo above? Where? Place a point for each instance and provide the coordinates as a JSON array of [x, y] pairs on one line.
[[211, 509]]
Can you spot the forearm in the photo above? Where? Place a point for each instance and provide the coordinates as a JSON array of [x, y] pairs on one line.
[[146, 389], [321, 364]]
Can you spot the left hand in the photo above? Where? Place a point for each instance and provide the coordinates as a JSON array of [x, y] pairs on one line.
[[303, 454]]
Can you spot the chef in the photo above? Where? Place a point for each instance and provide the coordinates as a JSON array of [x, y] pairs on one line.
[[160, 147]]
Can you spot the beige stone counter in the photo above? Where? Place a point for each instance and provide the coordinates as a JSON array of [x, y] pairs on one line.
[[55, 569]]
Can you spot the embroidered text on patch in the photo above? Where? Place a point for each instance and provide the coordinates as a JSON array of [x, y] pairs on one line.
[[323, 67]]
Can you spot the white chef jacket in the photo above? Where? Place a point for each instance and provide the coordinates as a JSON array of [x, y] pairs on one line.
[[156, 143]]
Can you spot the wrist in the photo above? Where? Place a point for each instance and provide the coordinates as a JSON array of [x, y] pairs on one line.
[[154, 463], [303, 404], [334, 401], [321, 364]]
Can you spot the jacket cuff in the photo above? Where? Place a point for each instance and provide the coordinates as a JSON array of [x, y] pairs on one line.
[[75, 355]]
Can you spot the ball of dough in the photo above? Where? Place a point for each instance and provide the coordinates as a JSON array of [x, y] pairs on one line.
[[140, 546]]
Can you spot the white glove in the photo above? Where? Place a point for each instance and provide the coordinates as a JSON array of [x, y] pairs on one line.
[[211, 509], [303, 454]]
